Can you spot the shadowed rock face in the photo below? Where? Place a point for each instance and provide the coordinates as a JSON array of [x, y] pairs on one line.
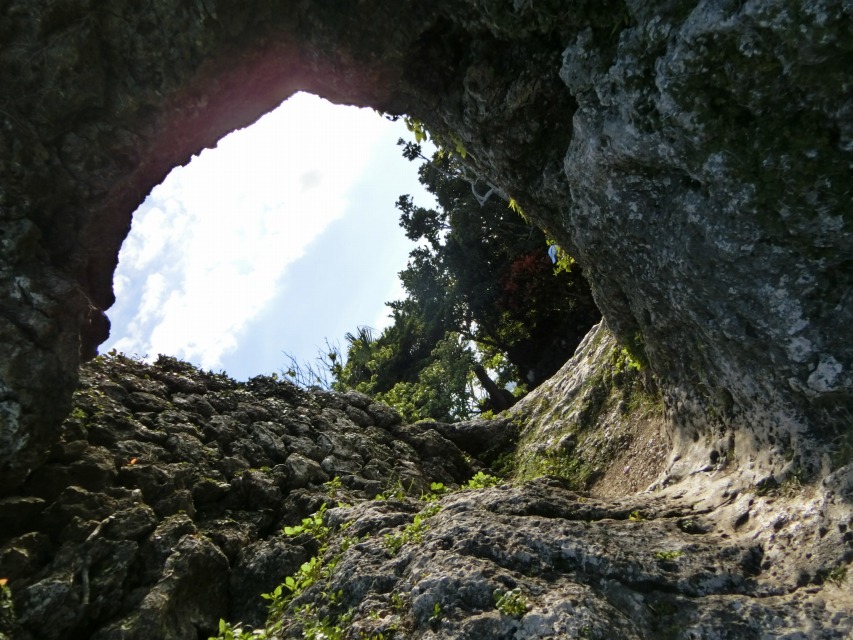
[[694, 156]]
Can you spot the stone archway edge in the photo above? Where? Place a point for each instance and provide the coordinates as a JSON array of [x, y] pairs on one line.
[[693, 157]]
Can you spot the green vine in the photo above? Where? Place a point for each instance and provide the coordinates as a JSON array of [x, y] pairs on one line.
[[453, 142]]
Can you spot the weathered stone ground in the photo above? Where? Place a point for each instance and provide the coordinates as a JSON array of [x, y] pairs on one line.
[[642, 567], [161, 511], [161, 508]]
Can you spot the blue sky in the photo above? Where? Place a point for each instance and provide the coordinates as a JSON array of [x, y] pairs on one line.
[[283, 236]]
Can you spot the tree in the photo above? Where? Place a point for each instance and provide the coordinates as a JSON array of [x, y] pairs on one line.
[[484, 273], [422, 375], [485, 310], [443, 389]]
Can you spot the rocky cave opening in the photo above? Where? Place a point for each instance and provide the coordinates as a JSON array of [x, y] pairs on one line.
[[694, 156], [269, 246]]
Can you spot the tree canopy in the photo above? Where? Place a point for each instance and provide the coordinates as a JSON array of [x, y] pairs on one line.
[[485, 310]]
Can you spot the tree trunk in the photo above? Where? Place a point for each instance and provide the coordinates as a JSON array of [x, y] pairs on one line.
[[501, 398]]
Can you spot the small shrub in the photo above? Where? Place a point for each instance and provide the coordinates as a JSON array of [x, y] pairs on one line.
[[512, 603], [837, 575], [482, 481], [312, 525]]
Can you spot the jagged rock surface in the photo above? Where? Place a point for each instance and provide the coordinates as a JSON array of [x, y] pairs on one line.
[[161, 510], [630, 569]]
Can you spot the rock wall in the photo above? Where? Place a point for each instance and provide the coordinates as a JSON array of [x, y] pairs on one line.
[[606, 434], [706, 171], [693, 155]]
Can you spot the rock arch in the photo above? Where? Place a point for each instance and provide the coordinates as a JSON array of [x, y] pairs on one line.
[[693, 156]]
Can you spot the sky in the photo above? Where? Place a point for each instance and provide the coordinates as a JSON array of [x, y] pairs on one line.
[[282, 237]]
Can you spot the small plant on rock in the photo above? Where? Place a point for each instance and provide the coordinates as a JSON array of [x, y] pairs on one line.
[[837, 575], [688, 525], [396, 491], [398, 601], [238, 632], [413, 532], [512, 603], [482, 481], [435, 618], [437, 489], [7, 610], [326, 628], [333, 486], [312, 525]]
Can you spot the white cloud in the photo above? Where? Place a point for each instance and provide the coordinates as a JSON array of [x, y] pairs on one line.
[[210, 245], [151, 304]]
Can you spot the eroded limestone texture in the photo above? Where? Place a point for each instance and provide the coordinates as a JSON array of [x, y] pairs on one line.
[[694, 156], [161, 511]]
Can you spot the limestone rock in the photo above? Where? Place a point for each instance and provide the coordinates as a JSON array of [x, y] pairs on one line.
[[636, 568], [607, 433], [172, 542], [126, 540], [692, 155], [261, 568]]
